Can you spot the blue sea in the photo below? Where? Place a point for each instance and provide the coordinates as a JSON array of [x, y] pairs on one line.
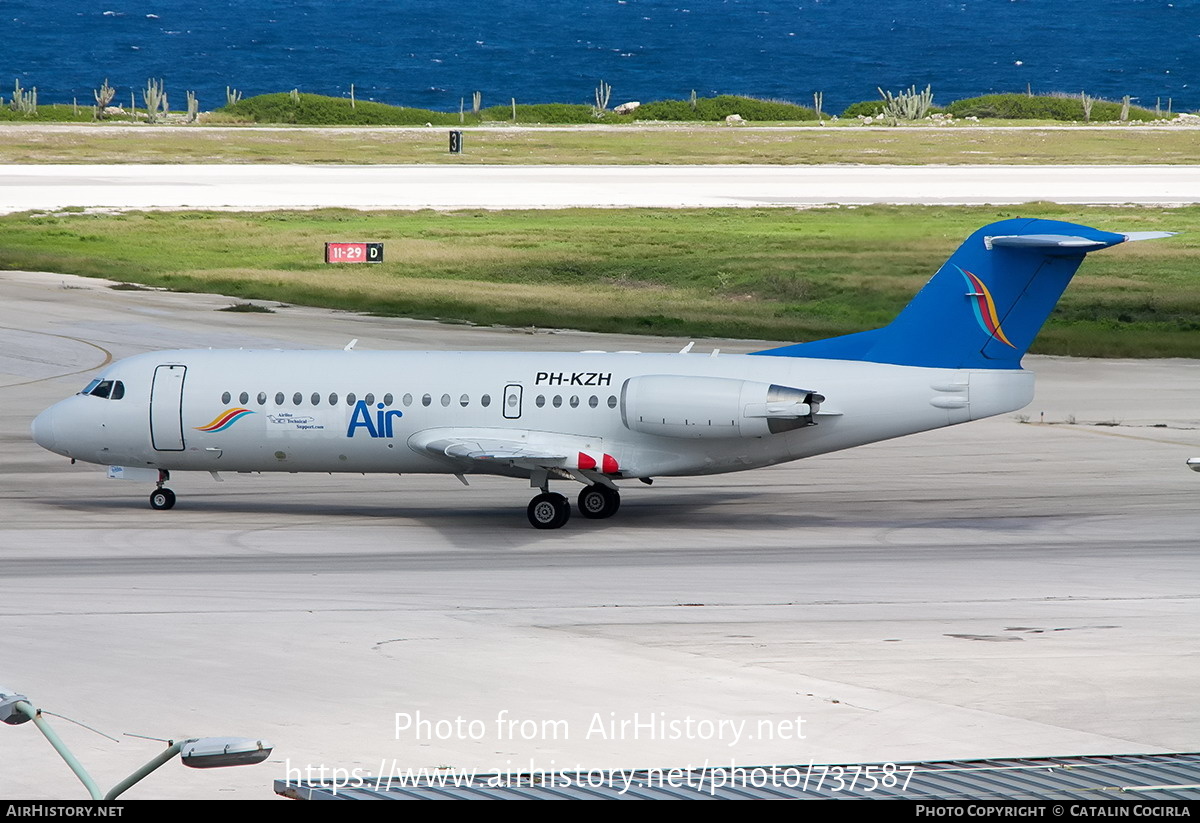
[[433, 53]]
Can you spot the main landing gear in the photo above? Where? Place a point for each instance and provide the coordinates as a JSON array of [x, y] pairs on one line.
[[162, 498], [550, 510], [597, 502]]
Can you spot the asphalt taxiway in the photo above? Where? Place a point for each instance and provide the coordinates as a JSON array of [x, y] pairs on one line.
[[1019, 586]]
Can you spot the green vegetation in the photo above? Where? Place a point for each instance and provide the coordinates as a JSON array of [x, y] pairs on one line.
[[54, 113], [864, 108], [1043, 107], [720, 107], [297, 108], [766, 273], [318, 110]]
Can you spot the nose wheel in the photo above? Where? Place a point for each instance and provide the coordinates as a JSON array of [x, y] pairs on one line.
[[162, 499], [597, 502], [549, 510]]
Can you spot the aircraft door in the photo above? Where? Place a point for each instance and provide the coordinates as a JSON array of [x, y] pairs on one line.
[[166, 408], [512, 401]]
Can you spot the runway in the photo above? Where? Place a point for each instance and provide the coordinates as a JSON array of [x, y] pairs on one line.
[[254, 187], [1005, 588]]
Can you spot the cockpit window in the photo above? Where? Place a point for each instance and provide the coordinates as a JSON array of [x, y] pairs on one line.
[[108, 389]]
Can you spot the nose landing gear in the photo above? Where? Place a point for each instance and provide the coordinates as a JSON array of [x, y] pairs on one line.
[[162, 498]]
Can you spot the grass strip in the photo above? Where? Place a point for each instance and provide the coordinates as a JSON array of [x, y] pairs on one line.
[[778, 274], [689, 144]]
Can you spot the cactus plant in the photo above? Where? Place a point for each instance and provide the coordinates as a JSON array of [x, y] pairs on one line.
[[155, 98], [907, 105]]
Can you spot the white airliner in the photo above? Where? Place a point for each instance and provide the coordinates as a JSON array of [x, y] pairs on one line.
[[952, 355]]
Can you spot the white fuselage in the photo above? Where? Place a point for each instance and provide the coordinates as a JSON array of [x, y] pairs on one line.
[[361, 411]]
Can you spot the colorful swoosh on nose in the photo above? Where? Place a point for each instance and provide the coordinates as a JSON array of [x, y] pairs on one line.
[[224, 420], [985, 308]]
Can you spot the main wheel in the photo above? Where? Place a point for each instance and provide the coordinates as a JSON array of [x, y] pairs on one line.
[[549, 511], [597, 501], [162, 499]]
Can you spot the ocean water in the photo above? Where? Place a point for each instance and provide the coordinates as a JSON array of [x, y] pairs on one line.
[[433, 53]]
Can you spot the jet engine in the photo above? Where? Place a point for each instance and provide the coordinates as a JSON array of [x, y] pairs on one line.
[[714, 407]]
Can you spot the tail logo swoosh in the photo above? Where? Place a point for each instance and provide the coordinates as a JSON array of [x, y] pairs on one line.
[[984, 308]]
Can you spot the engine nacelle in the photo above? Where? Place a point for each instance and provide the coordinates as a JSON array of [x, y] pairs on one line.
[[718, 407]]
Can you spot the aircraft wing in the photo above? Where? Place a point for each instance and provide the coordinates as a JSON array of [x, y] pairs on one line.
[[470, 449], [510, 453], [487, 450]]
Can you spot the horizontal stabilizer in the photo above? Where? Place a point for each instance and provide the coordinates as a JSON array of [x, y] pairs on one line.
[[1067, 242], [1134, 236], [1043, 241]]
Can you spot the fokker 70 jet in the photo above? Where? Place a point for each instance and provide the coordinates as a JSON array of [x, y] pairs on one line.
[[596, 418]]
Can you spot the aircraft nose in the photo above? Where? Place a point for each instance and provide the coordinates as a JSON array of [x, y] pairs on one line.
[[43, 431]]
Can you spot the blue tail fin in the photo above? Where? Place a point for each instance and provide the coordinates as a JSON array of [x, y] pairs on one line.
[[985, 306]]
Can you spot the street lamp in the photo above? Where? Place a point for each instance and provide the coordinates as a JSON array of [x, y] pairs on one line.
[[196, 752]]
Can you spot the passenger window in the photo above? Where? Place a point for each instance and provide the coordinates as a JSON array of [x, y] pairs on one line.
[[426, 400], [541, 400], [243, 398], [225, 398], [350, 398], [485, 401], [463, 401], [387, 399], [262, 398], [118, 391], [333, 398], [278, 398], [557, 401], [297, 399], [370, 398], [593, 401], [574, 402], [612, 401], [316, 399], [407, 400], [445, 400]]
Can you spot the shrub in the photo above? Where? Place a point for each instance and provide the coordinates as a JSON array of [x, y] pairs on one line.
[[720, 107], [542, 113], [319, 110], [865, 108], [1042, 107], [54, 113]]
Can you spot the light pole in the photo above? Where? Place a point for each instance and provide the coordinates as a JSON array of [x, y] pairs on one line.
[[197, 752]]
